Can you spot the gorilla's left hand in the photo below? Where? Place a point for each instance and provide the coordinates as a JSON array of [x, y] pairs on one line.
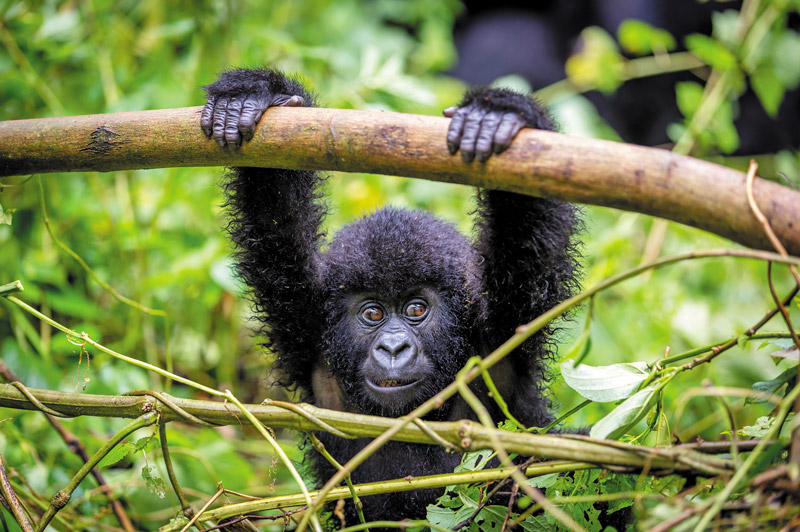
[[478, 130]]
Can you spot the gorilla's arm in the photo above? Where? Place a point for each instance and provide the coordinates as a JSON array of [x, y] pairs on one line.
[[275, 218], [529, 259]]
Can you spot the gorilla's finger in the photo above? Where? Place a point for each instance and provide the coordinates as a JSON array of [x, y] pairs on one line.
[[472, 126], [206, 116], [232, 116], [278, 100], [509, 126], [218, 121], [483, 145], [296, 101], [252, 109], [450, 111], [455, 129]]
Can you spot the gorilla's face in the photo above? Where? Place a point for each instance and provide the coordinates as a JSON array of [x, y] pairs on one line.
[[396, 364], [390, 354]]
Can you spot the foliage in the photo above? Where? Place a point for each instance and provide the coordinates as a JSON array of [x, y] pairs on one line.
[[156, 237]]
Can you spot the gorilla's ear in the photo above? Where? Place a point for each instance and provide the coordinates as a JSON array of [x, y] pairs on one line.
[[327, 390]]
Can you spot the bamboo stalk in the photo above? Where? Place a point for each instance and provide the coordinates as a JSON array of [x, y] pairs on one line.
[[541, 163]]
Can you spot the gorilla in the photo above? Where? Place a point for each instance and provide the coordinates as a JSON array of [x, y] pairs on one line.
[[383, 315]]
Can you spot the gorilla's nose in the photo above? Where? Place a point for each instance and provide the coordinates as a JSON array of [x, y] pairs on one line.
[[394, 351]]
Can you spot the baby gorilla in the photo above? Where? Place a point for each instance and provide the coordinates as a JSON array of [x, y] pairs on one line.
[[386, 315]]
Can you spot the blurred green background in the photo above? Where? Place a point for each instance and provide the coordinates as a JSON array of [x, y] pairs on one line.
[[157, 236]]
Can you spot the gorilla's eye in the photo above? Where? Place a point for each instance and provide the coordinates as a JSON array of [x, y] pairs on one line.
[[373, 314], [417, 309]]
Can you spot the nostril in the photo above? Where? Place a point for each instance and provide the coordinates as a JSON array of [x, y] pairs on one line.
[[394, 351], [394, 344]]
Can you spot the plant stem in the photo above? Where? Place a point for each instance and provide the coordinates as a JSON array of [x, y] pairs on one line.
[[63, 496]]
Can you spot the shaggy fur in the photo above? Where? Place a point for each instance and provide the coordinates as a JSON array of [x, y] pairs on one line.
[[522, 264]]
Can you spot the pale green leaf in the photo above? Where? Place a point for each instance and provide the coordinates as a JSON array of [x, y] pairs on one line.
[[605, 383], [760, 429], [154, 483], [5, 217], [641, 38], [622, 418]]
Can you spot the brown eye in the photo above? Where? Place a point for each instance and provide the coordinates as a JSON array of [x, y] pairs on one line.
[[416, 310], [373, 314]]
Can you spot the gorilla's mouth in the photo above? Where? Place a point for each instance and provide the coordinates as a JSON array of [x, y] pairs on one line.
[[394, 383], [391, 385]]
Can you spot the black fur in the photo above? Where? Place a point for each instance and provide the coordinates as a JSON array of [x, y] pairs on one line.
[[522, 264]]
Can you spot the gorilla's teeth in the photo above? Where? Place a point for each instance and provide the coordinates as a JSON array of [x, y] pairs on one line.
[[391, 383]]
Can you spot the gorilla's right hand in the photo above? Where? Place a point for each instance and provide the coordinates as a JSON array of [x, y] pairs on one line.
[[236, 102]]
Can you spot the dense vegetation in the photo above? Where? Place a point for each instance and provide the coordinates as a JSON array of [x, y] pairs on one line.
[[156, 237]]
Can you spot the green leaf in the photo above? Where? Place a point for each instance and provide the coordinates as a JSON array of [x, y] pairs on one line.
[[772, 386], [473, 461], [688, 95], [605, 383], [538, 523], [768, 88], [447, 518], [759, 430], [622, 418], [116, 454], [544, 481], [641, 38], [491, 518], [786, 58], [5, 217], [710, 51], [147, 443], [725, 26], [598, 64], [155, 484]]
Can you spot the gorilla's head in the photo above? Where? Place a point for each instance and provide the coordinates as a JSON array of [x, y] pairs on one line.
[[404, 302]]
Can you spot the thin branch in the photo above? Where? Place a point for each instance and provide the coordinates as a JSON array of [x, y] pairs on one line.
[[11, 288], [10, 498], [202, 510], [186, 508], [104, 285], [794, 456], [75, 446], [765, 225], [63, 495], [389, 486], [267, 435], [320, 447]]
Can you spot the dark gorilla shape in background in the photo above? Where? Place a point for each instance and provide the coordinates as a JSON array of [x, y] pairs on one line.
[[533, 39], [386, 315]]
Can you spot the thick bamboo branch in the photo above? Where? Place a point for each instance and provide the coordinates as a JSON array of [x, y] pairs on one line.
[[464, 435], [540, 163]]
